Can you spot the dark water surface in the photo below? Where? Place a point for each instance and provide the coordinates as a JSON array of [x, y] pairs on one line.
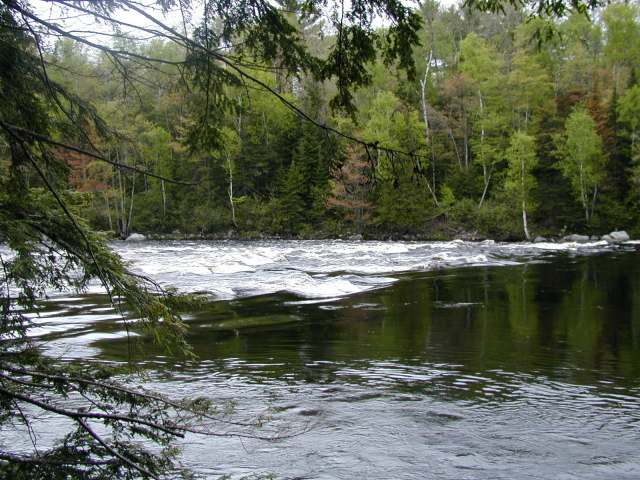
[[484, 372]]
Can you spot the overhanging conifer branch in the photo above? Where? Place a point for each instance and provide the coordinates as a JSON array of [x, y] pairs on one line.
[[26, 134]]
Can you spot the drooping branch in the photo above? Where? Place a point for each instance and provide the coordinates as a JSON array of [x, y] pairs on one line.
[[63, 206], [26, 134], [189, 43], [46, 460], [214, 53], [126, 460], [138, 393]]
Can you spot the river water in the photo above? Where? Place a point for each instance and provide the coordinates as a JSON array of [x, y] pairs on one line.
[[382, 360]]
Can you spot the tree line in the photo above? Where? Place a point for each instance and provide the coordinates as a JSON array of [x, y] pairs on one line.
[[497, 135]]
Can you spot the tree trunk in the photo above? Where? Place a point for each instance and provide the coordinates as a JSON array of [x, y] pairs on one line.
[[524, 204], [524, 221], [466, 143], [455, 147], [122, 227], [233, 208], [106, 199], [164, 200], [593, 200], [486, 175], [264, 127], [484, 192], [133, 190], [425, 116], [583, 194]]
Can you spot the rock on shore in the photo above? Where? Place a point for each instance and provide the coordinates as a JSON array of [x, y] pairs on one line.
[[135, 237], [619, 236]]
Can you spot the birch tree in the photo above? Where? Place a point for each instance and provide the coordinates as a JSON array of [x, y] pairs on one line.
[[230, 150], [522, 159], [481, 64], [582, 159], [629, 112]]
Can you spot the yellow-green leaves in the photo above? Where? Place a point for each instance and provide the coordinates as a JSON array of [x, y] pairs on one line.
[[582, 158]]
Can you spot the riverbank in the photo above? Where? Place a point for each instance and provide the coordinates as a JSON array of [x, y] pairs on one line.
[[611, 237]]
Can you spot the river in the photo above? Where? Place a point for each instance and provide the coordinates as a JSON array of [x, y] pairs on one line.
[[379, 360]]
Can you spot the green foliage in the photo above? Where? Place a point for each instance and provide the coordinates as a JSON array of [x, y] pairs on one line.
[[530, 91], [403, 205], [292, 204], [623, 34], [497, 220], [231, 129], [479, 61], [629, 108], [486, 80], [629, 115], [542, 8], [582, 158], [520, 182], [521, 158]]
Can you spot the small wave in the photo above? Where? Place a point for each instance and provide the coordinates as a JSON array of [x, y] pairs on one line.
[[319, 269]]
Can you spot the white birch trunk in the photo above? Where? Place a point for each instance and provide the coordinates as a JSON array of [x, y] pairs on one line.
[[133, 190], [486, 174], [106, 199], [233, 208], [425, 116], [524, 221]]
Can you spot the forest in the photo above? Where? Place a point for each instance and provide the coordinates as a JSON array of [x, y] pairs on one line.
[[511, 127], [251, 119]]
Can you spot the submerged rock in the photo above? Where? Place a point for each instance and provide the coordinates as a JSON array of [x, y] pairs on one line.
[[135, 237], [618, 236], [576, 238]]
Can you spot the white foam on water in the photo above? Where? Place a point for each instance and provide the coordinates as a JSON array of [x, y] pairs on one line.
[[309, 287], [317, 269], [314, 301], [313, 269], [230, 267], [559, 247]]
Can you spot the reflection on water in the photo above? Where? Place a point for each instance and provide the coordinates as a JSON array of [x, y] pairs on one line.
[[523, 371]]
